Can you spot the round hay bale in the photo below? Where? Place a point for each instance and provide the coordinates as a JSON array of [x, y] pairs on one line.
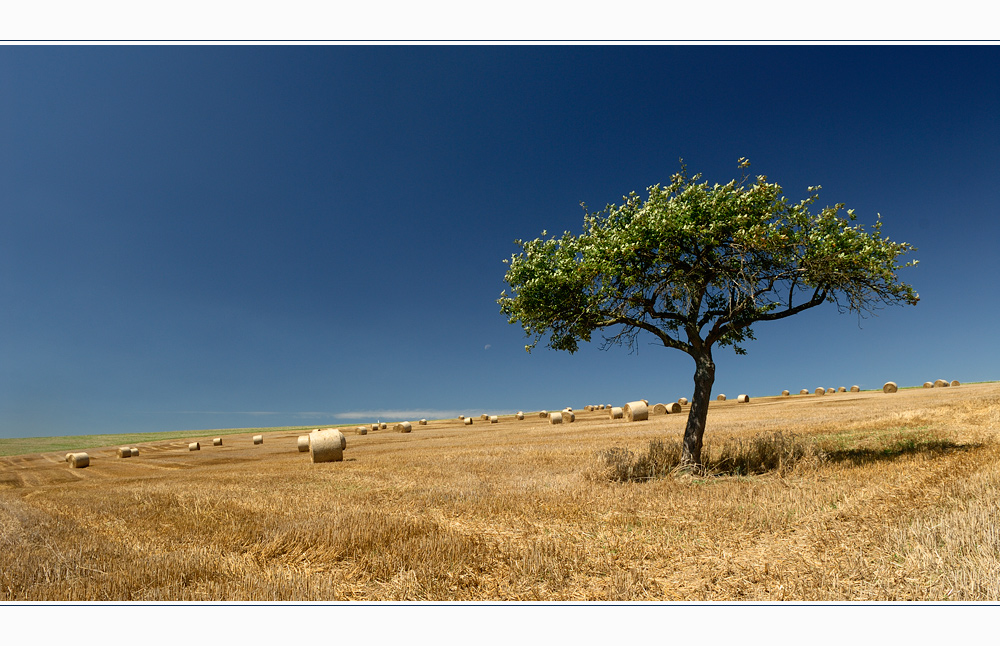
[[721, 398], [636, 411], [785, 393], [327, 445], [804, 391], [615, 412], [673, 407], [520, 414], [889, 387], [217, 441], [494, 419], [646, 402], [602, 407], [403, 427], [543, 414], [468, 421], [303, 443], [743, 399], [569, 408], [124, 452], [569, 416], [941, 383], [384, 426], [555, 418], [79, 460], [484, 417], [258, 439], [461, 417], [68, 456], [422, 422], [194, 446], [830, 391], [660, 409], [361, 430], [855, 389], [683, 401], [374, 427], [956, 383], [928, 384], [135, 452], [821, 391], [841, 390]]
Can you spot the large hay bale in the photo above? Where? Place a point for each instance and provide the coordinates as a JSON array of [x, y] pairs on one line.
[[683, 401], [941, 383], [804, 391], [830, 391], [494, 419], [403, 427], [855, 389], [79, 460], [484, 417], [361, 430], [615, 412], [520, 414], [68, 456], [384, 426], [928, 384], [258, 439], [636, 411], [468, 421], [743, 399], [889, 387], [785, 393], [660, 409], [842, 390], [956, 382], [217, 441], [124, 452], [422, 422], [721, 398], [821, 391], [555, 418], [194, 446], [374, 427], [569, 416], [135, 452], [602, 407], [543, 414], [303, 443], [646, 402], [327, 445], [673, 407]]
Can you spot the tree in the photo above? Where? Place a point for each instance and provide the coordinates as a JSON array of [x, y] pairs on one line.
[[697, 265]]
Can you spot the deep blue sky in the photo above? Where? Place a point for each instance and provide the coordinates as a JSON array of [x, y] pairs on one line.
[[209, 237]]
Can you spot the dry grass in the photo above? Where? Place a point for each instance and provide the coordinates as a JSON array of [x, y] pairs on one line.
[[894, 497]]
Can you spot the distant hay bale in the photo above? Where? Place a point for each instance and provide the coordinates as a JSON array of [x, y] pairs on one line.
[[821, 391], [484, 417], [841, 390], [928, 384], [124, 452], [673, 407], [855, 389], [956, 383], [555, 418], [683, 401], [468, 421], [194, 446], [743, 399], [543, 414], [461, 417], [941, 383], [217, 441], [520, 414], [889, 387], [494, 419], [422, 422], [361, 430], [830, 391], [135, 452], [660, 409], [785, 393], [569, 416], [721, 398], [615, 412], [384, 426], [327, 445], [303, 443], [403, 427], [636, 411], [79, 460], [258, 439], [374, 427], [804, 391], [569, 408]]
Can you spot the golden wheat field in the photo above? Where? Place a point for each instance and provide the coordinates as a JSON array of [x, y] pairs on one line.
[[895, 498]]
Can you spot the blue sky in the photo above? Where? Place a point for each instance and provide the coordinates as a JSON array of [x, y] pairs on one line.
[[214, 237]]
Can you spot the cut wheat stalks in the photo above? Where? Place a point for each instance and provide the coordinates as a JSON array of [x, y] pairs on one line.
[[743, 399], [785, 393], [124, 452], [217, 441], [468, 421], [660, 409], [135, 452], [194, 446], [403, 427], [555, 418], [721, 398], [327, 445], [855, 389], [636, 411], [615, 412], [956, 382], [79, 460], [303, 443], [889, 387], [258, 439], [941, 383]]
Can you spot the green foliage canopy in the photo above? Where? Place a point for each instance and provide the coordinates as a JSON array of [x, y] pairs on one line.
[[697, 264]]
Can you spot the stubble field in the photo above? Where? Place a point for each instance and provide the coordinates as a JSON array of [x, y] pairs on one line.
[[898, 501]]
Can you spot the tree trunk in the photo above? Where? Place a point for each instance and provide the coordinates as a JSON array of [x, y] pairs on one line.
[[704, 378]]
